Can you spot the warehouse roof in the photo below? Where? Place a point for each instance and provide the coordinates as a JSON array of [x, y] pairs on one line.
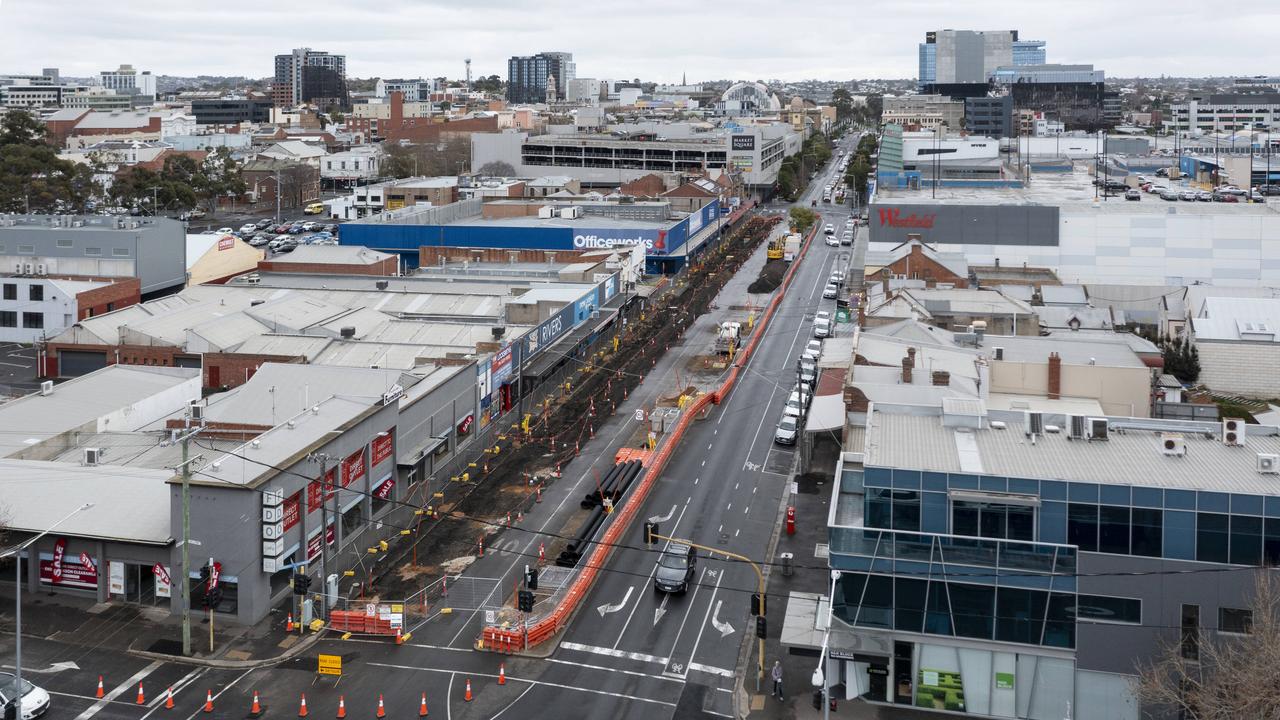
[[332, 255], [1073, 348], [128, 504], [915, 438], [91, 400]]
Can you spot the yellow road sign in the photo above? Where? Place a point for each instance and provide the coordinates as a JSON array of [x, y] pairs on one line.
[[329, 665]]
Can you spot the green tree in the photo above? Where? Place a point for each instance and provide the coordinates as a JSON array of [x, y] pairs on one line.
[[18, 127], [802, 218], [32, 176], [843, 102]]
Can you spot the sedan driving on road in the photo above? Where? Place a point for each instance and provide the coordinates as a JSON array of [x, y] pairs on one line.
[[829, 229], [675, 569]]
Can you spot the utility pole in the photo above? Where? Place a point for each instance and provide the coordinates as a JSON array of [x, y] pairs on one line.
[[323, 459], [185, 588]]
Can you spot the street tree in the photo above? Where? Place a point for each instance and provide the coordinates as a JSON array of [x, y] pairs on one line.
[[802, 218], [1227, 675], [496, 168]]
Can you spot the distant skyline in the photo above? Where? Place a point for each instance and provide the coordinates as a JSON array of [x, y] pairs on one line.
[[657, 41]]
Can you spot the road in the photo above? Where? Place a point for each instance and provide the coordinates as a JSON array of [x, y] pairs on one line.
[[628, 653]]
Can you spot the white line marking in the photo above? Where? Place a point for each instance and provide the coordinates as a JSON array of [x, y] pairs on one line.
[[729, 508], [544, 683], [613, 652], [448, 699], [708, 446], [746, 509], [632, 614], [119, 690], [722, 672], [735, 532], [609, 669], [513, 702], [219, 693], [158, 701], [680, 631]]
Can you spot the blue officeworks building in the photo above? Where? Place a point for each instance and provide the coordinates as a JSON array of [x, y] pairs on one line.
[[1025, 565], [670, 237]]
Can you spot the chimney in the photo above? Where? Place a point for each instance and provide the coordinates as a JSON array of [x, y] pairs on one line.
[[906, 370], [941, 378], [397, 110], [1055, 376], [862, 314]]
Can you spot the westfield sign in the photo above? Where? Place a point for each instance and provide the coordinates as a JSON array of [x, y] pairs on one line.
[[893, 217]]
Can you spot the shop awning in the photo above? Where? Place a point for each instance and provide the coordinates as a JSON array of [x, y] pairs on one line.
[[825, 413], [421, 450]]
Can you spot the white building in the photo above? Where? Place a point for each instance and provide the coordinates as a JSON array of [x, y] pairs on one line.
[[296, 151], [33, 308], [128, 81], [360, 163], [1238, 341], [414, 90]]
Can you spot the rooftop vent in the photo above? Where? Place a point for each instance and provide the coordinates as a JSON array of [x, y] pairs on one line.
[[347, 332]]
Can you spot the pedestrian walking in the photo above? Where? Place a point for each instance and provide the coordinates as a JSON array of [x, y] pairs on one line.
[[776, 674]]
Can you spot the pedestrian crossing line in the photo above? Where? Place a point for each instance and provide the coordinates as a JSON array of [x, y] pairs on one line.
[[611, 652]]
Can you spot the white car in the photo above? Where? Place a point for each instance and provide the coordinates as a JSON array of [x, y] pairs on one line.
[[35, 701], [786, 432], [830, 292], [793, 409], [248, 228], [829, 229], [225, 231], [832, 241]]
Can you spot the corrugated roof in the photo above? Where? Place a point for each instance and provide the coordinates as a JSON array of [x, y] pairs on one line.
[[129, 504], [332, 255], [1130, 457], [1074, 349], [278, 391], [1238, 319], [1063, 295]]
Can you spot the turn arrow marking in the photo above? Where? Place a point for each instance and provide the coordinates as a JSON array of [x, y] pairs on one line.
[[607, 608], [664, 518], [53, 668], [725, 628]]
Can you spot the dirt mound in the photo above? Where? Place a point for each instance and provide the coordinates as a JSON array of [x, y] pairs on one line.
[[770, 277]]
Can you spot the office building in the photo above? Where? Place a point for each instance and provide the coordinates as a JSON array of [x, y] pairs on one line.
[[1028, 52], [416, 90], [232, 110], [127, 81], [989, 116], [540, 78], [1226, 112], [310, 76], [1021, 564], [951, 57], [924, 112], [1076, 95]]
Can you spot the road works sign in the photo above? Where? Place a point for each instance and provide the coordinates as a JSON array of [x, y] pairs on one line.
[[329, 665]]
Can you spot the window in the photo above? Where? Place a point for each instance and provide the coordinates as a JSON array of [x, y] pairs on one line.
[[1211, 537], [1082, 526], [120, 252], [1060, 626], [1113, 529], [33, 321], [1145, 532], [906, 510], [65, 242], [971, 609], [35, 292], [1235, 620], [93, 251], [908, 604], [993, 520], [8, 318], [1020, 615], [26, 249], [1246, 540], [1190, 645], [1107, 609], [111, 306], [10, 291]]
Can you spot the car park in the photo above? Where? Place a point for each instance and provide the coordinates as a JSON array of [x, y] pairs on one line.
[[786, 432], [34, 702], [675, 569]]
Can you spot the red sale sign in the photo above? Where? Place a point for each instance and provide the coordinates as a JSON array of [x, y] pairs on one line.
[[87, 561], [161, 574], [382, 447], [59, 553], [292, 511], [353, 468]]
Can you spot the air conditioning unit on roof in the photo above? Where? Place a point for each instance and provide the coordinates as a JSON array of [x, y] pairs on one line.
[[1268, 464], [1173, 444], [1098, 428], [1233, 432]]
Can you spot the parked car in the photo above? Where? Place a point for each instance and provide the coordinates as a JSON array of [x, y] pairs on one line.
[[297, 229], [786, 432], [313, 209], [675, 570], [1225, 197], [1162, 172], [225, 231], [1269, 189], [331, 228], [837, 277], [259, 240], [283, 228], [34, 703], [311, 226], [1132, 194], [793, 408], [812, 351], [830, 292], [196, 213], [1189, 195], [1203, 196], [248, 228], [326, 241], [263, 224], [1169, 194], [1230, 190]]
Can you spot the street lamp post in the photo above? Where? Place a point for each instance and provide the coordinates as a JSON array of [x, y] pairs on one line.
[[17, 601]]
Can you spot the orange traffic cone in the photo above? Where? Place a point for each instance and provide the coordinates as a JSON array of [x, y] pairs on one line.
[[100, 693], [256, 709], [302, 706], [502, 673], [342, 707], [422, 709], [467, 697], [382, 710], [288, 624], [208, 701], [168, 701], [399, 637], [142, 698]]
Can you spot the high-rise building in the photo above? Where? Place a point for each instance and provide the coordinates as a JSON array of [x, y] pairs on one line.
[[1076, 95], [310, 76], [127, 81], [527, 76], [956, 57]]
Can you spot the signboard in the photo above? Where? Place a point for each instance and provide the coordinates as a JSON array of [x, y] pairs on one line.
[[59, 553], [1001, 225], [115, 579], [393, 394], [164, 584], [383, 491], [383, 446], [292, 510], [743, 143], [315, 493], [87, 561], [226, 242], [743, 163], [467, 423], [215, 572], [329, 665], [353, 468], [1004, 681], [313, 543], [500, 366], [393, 614], [74, 574]]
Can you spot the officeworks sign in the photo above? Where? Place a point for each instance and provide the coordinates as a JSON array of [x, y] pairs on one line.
[[655, 242]]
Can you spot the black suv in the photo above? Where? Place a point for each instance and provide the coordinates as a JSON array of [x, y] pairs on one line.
[[675, 569]]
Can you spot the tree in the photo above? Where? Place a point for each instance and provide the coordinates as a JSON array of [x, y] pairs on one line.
[[843, 102], [496, 168], [1217, 676], [18, 127], [1181, 360], [490, 84], [803, 218], [32, 176], [446, 157]]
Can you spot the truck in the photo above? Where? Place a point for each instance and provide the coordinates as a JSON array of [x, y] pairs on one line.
[[791, 246], [727, 336]]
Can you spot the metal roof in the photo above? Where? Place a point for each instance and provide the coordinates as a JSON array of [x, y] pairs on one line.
[[915, 439], [1063, 295], [332, 255], [1073, 348], [1238, 319], [95, 399], [278, 391], [129, 504]]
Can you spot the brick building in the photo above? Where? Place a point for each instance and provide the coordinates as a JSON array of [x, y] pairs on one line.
[[297, 183], [333, 260], [914, 260]]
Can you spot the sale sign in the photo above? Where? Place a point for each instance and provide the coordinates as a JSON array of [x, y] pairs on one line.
[[313, 544], [383, 491], [73, 573], [353, 468], [59, 553], [382, 447]]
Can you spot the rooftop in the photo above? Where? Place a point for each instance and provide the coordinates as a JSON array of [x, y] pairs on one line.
[[1238, 319], [129, 504], [915, 438], [1074, 349], [332, 255]]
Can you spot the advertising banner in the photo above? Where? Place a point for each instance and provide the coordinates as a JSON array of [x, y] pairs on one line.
[[383, 490], [1016, 225], [74, 574], [383, 446], [164, 584], [500, 366], [313, 543], [292, 510], [353, 468]]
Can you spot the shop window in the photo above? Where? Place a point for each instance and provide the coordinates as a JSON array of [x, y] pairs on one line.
[[1145, 529], [1235, 620], [1104, 608], [1211, 537], [230, 598], [352, 519], [1082, 526], [1246, 540]]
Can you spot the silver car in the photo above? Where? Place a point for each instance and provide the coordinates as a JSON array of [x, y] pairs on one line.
[[786, 432]]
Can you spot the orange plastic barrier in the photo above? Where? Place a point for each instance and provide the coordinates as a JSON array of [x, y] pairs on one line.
[[628, 454], [507, 640]]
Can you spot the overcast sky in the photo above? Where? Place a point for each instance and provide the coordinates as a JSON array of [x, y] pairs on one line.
[[655, 40]]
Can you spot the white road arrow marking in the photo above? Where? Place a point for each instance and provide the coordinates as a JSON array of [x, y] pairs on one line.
[[607, 608], [54, 668], [661, 610], [725, 628], [664, 518]]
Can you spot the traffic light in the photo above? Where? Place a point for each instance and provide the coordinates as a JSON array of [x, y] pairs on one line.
[[531, 578], [204, 575], [300, 583], [525, 600], [650, 532], [757, 604], [213, 598], [761, 629]]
